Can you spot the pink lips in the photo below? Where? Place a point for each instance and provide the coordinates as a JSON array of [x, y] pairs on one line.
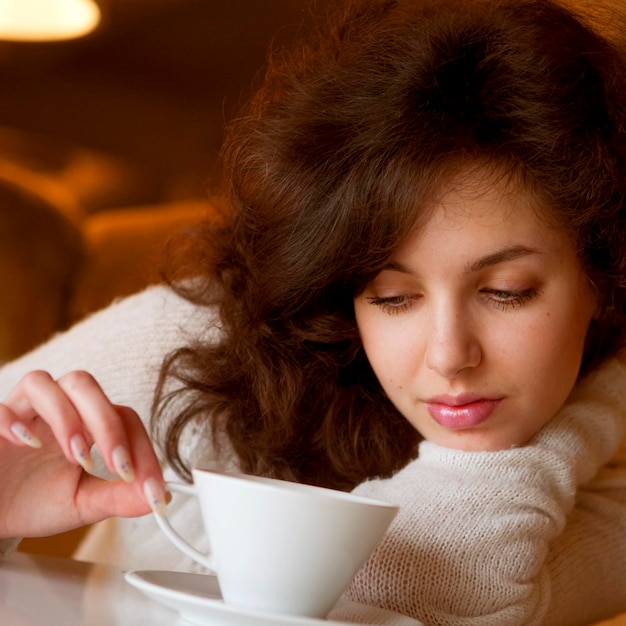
[[459, 412]]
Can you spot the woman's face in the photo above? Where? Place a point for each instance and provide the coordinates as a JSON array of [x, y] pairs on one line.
[[476, 328]]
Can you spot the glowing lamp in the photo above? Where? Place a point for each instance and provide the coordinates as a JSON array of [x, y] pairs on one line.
[[47, 20]]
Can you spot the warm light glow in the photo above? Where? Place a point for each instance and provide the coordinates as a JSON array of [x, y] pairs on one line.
[[47, 20]]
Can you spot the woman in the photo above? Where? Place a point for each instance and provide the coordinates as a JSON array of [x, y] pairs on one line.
[[416, 294]]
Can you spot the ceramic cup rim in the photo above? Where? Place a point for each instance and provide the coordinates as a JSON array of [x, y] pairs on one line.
[[297, 490]]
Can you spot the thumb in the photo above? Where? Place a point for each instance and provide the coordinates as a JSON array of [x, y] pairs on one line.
[[100, 499]]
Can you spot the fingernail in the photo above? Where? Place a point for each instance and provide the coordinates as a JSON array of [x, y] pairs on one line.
[[155, 495], [123, 465], [25, 435], [81, 452]]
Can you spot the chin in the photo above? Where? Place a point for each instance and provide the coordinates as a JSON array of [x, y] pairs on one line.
[[477, 441]]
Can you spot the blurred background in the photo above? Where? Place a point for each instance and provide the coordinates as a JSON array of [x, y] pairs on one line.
[[143, 97], [108, 141]]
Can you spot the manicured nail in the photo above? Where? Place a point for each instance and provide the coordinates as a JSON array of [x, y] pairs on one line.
[[25, 435], [81, 452], [155, 495], [123, 465]]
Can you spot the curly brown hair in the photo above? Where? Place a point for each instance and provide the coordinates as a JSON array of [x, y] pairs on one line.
[[327, 171]]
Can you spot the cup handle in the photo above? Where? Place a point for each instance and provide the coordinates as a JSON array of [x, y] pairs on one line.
[[164, 524]]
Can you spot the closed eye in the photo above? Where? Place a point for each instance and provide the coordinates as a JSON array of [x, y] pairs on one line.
[[393, 304], [505, 300]]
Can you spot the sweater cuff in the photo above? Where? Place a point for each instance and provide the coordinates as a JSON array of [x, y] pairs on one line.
[[8, 547]]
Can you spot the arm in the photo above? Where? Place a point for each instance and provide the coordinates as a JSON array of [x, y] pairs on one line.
[[122, 347], [472, 541], [44, 489]]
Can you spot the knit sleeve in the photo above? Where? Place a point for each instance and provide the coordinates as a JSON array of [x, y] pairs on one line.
[[122, 346], [472, 541]]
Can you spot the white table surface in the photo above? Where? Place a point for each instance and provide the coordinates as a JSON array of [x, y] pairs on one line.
[[48, 591]]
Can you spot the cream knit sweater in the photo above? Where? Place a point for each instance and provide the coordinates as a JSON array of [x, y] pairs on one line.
[[532, 535]]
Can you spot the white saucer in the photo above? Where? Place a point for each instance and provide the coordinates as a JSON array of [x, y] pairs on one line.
[[198, 599]]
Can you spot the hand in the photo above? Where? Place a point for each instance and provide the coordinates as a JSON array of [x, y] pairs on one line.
[[47, 428]]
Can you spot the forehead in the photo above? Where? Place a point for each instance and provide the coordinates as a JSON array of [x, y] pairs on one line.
[[483, 184], [489, 210]]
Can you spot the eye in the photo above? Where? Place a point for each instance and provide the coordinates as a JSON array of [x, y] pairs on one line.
[[393, 305], [505, 300]]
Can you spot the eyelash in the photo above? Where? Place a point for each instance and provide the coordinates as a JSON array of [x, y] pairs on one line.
[[498, 298], [507, 300], [393, 305]]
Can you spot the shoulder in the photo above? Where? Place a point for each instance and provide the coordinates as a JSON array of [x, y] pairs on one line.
[[155, 306], [156, 315], [131, 335]]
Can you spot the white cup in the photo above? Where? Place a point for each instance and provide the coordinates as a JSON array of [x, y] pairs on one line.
[[278, 546]]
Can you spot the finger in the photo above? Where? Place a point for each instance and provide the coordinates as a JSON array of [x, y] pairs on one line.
[[120, 436], [99, 499], [149, 476], [15, 431], [38, 395], [103, 421]]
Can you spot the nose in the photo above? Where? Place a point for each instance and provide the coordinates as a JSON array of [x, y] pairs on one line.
[[452, 345]]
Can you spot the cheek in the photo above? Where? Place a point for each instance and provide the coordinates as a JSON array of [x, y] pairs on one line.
[[387, 347], [563, 334], [550, 352]]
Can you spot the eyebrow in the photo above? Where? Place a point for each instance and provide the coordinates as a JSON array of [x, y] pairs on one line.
[[501, 256]]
